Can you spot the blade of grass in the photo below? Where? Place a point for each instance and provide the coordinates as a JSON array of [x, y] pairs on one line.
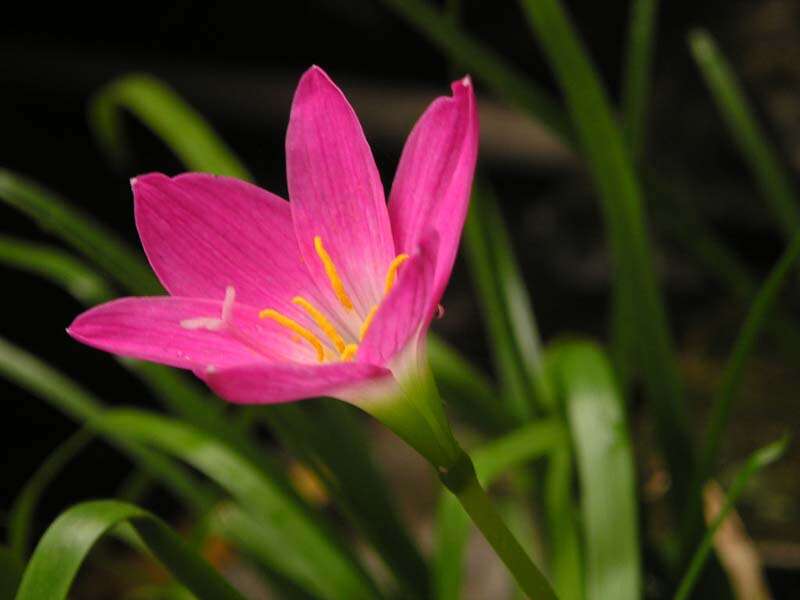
[[484, 63], [759, 153], [38, 378], [55, 215], [21, 515], [621, 199], [596, 412], [508, 452], [67, 542], [757, 461], [637, 75], [169, 116], [300, 547], [512, 327]]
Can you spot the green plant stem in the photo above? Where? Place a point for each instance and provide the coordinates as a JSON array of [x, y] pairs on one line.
[[479, 507]]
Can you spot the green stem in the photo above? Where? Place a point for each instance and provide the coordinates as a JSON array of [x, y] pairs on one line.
[[463, 483]]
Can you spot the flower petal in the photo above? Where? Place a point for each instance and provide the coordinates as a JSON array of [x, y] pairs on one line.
[[260, 383], [434, 177], [203, 233], [336, 192], [150, 329], [407, 309]]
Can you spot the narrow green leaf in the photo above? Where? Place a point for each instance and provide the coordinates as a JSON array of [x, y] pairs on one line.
[[757, 317], [10, 573], [637, 73], [523, 445], [22, 512], [761, 156], [67, 542], [484, 63], [506, 306], [465, 388], [299, 547], [38, 378], [57, 216], [621, 199], [603, 452], [154, 103], [757, 461], [54, 264]]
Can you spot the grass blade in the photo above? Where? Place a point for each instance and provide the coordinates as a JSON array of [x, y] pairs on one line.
[[638, 72], [300, 547], [596, 413], [506, 306], [759, 153], [756, 319], [484, 63], [154, 103], [67, 542], [56, 216], [621, 199], [757, 461], [22, 512]]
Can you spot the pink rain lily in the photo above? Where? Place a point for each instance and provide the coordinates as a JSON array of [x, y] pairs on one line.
[[328, 294]]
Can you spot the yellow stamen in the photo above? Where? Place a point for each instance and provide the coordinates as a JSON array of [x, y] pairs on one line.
[[332, 273], [294, 326], [391, 274], [367, 322], [349, 352], [321, 322]]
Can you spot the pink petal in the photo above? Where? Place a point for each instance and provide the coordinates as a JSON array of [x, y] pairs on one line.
[[260, 383], [434, 177], [150, 329], [203, 233], [336, 192], [406, 310]]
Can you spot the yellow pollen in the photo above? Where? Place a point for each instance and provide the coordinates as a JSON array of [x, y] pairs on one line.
[[295, 327], [349, 352], [391, 274], [321, 322], [332, 273], [367, 322]]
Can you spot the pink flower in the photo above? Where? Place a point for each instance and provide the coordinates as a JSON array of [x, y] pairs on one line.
[[329, 294]]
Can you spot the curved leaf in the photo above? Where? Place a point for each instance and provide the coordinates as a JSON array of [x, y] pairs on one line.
[[67, 542], [183, 129]]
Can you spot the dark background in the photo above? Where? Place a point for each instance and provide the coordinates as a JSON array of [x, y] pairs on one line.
[[237, 63]]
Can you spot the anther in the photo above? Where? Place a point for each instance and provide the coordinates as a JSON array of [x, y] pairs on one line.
[[332, 273], [294, 326], [391, 274], [321, 322]]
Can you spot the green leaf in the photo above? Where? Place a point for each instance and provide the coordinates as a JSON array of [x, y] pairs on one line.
[[483, 62], [513, 333], [759, 153], [56, 216], [465, 388], [606, 471], [637, 73], [524, 444], [22, 512], [54, 264], [38, 378], [757, 461], [621, 199], [170, 118], [67, 542], [298, 546], [10, 573]]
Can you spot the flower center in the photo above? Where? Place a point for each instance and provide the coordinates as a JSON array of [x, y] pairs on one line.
[[333, 340]]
